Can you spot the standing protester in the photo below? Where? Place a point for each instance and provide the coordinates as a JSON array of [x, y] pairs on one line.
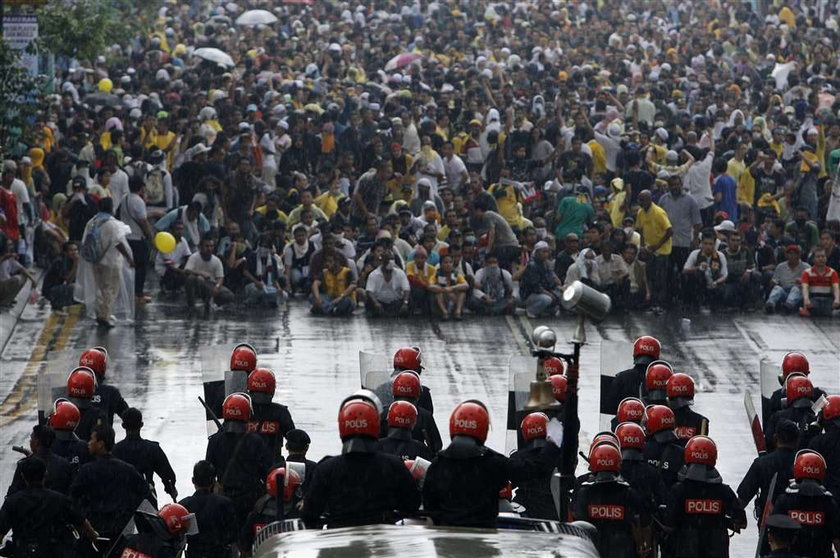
[[656, 231], [145, 455], [132, 212]]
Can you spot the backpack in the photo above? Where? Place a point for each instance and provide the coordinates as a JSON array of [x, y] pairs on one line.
[[93, 248], [155, 192]]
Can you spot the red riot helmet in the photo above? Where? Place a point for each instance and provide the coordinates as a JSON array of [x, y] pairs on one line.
[[659, 418], [559, 387], [534, 426], [402, 414], [96, 359], [799, 391], [809, 464], [656, 379], [243, 358], [81, 386], [358, 417], [630, 435], [506, 493], [680, 390], [406, 385], [794, 362], [408, 358], [605, 457], [261, 385], [289, 479], [631, 409], [177, 518], [237, 407], [553, 366], [831, 410], [646, 348], [604, 438], [65, 416], [470, 418], [701, 450]]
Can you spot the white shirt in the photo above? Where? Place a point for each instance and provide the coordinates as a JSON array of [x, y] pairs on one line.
[[454, 170], [111, 233], [387, 291], [18, 188], [697, 181], [213, 267], [119, 187], [177, 256], [133, 211]]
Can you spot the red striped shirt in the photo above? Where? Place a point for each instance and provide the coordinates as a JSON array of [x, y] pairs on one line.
[[819, 284]]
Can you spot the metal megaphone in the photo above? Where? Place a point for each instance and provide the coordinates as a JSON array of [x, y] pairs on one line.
[[540, 396], [587, 301]]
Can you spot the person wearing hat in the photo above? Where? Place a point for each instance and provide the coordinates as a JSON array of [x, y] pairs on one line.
[[785, 286], [781, 534]]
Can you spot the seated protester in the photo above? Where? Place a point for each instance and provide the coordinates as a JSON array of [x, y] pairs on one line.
[[803, 231], [265, 272], [264, 215], [639, 294], [421, 277], [429, 218], [832, 250], [615, 277], [368, 234], [370, 261], [706, 272], [451, 223], [210, 198], [170, 267], [424, 194], [820, 287], [389, 230], [12, 274], [329, 246], [741, 285], [343, 245], [234, 259], [60, 279], [196, 224], [410, 227], [539, 286], [493, 292], [387, 289], [307, 203], [328, 202], [585, 269], [461, 265], [333, 290], [231, 233], [205, 278], [296, 259], [453, 289], [432, 248], [567, 257], [79, 209], [786, 284], [384, 241]]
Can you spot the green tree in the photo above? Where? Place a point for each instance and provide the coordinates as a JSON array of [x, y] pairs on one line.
[[85, 28], [21, 98]]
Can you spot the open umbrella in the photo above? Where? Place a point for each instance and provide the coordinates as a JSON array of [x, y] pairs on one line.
[[402, 60], [256, 17], [215, 55]]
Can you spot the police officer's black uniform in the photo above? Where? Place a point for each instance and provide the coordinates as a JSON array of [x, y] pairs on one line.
[[463, 482], [216, 520], [534, 494], [264, 512], [148, 458], [700, 510], [90, 418], [760, 474], [68, 446], [359, 488], [627, 383], [643, 477], [271, 421], [689, 423], [609, 503], [59, 473], [664, 452], [776, 402], [108, 400], [400, 443], [828, 445], [808, 503], [425, 428], [38, 518], [799, 413]]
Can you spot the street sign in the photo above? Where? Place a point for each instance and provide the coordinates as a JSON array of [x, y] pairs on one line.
[[18, 32]]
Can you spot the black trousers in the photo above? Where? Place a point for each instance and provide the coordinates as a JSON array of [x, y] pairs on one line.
[[140, 253]]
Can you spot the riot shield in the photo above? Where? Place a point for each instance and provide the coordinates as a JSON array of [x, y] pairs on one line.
[[218, 381], [615, 357], [375, 374], [526, 395], [52, 380], [769, 371]]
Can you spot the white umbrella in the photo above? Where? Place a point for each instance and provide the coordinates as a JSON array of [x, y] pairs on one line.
[[215, 55], [256, 17]]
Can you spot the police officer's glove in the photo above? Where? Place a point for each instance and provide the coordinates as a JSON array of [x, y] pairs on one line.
[[172, 491], [555, 432]]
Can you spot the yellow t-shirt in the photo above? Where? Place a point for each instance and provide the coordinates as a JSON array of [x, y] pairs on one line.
[[427, 275], [652, 224], [328, 203], [786, 16], [599, 157], [336, 283], [735, 168]]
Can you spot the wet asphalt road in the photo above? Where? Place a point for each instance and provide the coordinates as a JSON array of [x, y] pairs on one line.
[[158, 364]]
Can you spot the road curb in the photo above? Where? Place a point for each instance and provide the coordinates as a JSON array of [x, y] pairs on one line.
[[10, 319]]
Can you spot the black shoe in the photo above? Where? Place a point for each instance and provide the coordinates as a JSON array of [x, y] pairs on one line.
[[105, 324]]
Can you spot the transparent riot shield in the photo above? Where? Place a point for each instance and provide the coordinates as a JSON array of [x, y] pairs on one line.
[[527, 392], [769, 371], [375, 374], [615, 357], [218, 381], [52, 380]]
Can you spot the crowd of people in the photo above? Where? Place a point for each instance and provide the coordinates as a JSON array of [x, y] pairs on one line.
[[440, 158], [652, 487]]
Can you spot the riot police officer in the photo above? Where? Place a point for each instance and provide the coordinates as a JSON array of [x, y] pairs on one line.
[[807, 502], [662, 448], [38, 517], [59, 471], [827, 444], [107, 397], [641, 475], [241, 458], [406, 386], [81, 387], [270, 420], [778, 462], [408, 358], [361, 486], [608, 502], [630, 383], [534, 494], [792, 363], [215, 516], [680, 392], [402, 416], [63, 420], [631, 409], [161, 535], [799, 398], [272, 506], [297, 444], [701, 508], [146, 456], [656, 380], [462, 484]]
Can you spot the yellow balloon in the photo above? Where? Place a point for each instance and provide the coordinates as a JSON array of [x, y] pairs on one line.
[[164, 242], [105, 85]]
